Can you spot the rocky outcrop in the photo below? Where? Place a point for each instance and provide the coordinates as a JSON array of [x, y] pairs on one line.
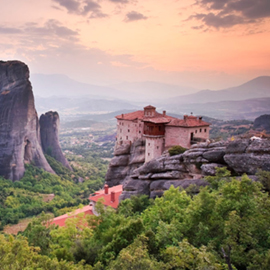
[[19, 126], [262, 123], [49, 128], [127, 158], [190, 168], [247, 156]]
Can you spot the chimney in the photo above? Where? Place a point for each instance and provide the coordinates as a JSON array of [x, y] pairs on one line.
[[200, 119], [164, 113], [106, 189], [113, 196], [185, 117], [122, 115]]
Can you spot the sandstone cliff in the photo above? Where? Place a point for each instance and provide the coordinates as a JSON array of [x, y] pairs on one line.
[[49, 127], [19, 126], [156, 176]]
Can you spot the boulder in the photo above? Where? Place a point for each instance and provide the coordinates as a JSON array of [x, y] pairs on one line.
[[259, 147], [116, 175], [248, 163], [210, 169], [135, 187], [153, 166], [215, 155], [237, 146], [123, 149], [119, 161]]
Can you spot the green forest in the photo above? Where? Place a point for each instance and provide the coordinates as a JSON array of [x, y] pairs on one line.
[[27, 197], [224, 226]]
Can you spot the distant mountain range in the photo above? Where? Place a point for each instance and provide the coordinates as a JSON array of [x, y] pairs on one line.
[[226, 110], [61, 85], [80, 105], [256, 88], [246, 101]]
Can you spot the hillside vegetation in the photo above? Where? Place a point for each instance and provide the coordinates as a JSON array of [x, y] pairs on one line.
[[225, 226], [28, 197]]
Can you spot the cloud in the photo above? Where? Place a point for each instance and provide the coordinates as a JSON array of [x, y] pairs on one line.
[[225, 14], [32, 35], [134, 16], [120, 1], [9, 30], [82, 7]]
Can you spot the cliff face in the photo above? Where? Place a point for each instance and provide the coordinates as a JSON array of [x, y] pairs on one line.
[[19, 126], [127, 158], [49, 127], [156, 176]]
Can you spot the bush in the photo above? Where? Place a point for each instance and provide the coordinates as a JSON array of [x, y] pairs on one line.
[[176, 150]]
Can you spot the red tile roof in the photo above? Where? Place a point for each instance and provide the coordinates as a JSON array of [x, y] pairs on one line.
[[188, 121], [131, 116], [87, 210], [107, 197]]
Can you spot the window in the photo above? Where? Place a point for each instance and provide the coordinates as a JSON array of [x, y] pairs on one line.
[[139, 131], [195, 131], [148, 154], [205, 130], [139, 125], [148, 144], [128, 130], [157, 147], [200, 130]]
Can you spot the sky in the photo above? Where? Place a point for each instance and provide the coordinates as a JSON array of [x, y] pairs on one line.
[[203, 44]]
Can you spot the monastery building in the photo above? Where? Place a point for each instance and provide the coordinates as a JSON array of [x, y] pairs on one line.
[[160, 131]]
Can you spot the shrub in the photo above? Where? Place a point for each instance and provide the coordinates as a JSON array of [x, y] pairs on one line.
[[176, 150]]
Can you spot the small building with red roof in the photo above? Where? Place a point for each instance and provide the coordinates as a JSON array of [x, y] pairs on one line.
[[109, 197], [60, 221], [160, 131]]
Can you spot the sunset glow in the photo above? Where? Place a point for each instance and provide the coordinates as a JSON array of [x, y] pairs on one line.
[[203, 44]]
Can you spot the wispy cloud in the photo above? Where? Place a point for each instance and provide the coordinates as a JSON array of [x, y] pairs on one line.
[[134, 16], [82, 7], [225, 14]]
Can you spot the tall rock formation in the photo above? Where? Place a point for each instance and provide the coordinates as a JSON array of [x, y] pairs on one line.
[[19, 126], [49, 127]]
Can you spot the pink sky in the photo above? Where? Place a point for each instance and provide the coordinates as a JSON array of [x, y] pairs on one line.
[[204, 44]]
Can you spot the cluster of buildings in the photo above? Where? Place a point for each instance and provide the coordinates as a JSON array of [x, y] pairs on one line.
[[160, 130]]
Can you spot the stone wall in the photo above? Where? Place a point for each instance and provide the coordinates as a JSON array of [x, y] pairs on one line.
[[182, 136], [129, 130], [154, 146]]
